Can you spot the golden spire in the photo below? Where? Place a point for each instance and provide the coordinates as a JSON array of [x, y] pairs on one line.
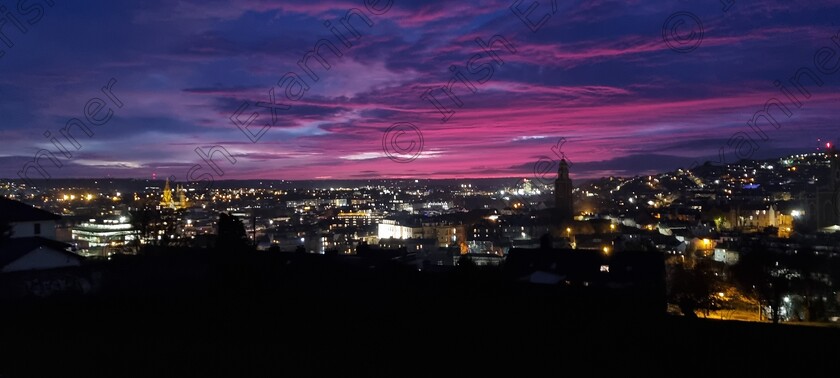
[[167, 195], [182, 197]]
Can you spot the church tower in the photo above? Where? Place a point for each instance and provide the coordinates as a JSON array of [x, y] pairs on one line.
[[166, 199], [563, 192], [182, 197]]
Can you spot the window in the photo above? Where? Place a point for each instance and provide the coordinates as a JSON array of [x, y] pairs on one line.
[[37, 229]]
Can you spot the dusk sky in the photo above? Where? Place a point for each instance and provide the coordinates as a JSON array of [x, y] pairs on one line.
[[628, 98]]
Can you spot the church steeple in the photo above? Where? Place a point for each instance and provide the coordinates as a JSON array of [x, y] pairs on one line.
[[563, 192], [182, 197], [563, 170], [166, 198]]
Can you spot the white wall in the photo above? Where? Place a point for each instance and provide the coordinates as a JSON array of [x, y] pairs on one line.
[[42, 258], [386, 231], [27, 229]]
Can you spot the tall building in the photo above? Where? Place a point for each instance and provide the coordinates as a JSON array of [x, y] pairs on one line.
[[166, 198], [563, 192], [822, 203]]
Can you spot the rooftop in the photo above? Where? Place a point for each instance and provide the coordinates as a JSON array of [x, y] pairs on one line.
[[16, 211]]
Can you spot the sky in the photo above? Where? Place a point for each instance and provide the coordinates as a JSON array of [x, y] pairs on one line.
[[206, 89]]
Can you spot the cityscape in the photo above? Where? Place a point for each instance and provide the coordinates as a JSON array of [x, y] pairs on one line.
[[386, 188], [754, 241]]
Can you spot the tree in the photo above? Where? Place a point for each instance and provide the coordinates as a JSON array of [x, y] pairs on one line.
[[231, 235], [809, 266], [758, 272], [144, 221], [694, 286]]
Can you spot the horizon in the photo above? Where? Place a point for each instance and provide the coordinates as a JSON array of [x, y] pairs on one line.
[[577, 177]]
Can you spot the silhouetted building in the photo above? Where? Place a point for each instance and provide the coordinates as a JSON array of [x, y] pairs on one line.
[[822, 204], [563, 192], [32, 245], [35, 253], [26, 220]]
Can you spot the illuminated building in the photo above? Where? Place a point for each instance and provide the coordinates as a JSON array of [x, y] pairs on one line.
[[358, 218], [753, 218], [167, 201], [106, 237], [388, 229], [444, 233]]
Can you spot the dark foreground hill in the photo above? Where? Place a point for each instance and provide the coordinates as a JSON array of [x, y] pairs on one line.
[[312, 316]]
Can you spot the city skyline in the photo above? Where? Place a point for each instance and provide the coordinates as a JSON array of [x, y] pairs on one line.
[[404, 187], [165, 89]]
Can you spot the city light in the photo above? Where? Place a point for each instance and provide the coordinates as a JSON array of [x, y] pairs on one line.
[[272, 219]]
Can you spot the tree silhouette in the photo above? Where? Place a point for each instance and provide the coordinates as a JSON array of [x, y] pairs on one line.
[[695, 287], [231, 235], [144, 221], [757, 272], [809, 266]]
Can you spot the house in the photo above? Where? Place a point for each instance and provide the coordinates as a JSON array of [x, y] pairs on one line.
[[725, 254], [32, 245], [35, 253], [27, 221]]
